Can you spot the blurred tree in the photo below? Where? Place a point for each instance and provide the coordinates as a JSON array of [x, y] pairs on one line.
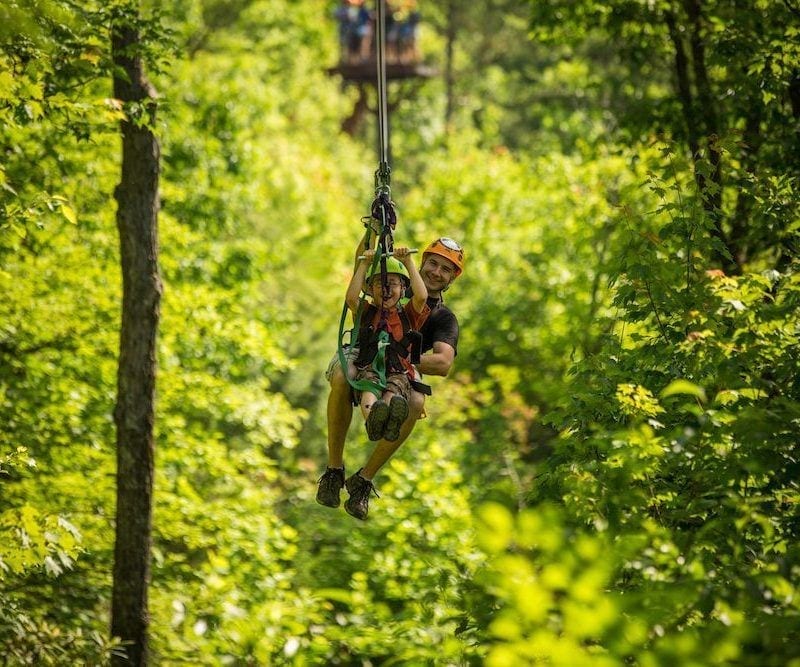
[[134, 415]]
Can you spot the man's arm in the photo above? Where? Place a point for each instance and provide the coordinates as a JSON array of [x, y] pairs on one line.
[[438, 361]]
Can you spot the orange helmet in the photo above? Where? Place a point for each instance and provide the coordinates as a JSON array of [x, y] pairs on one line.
[[449, 249]]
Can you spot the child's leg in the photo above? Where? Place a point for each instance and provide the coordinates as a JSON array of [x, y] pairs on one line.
[[374, 410], [368, 399], [398, 388], [375, 415]]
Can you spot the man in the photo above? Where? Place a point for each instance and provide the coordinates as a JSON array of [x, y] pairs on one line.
[[442, 263]]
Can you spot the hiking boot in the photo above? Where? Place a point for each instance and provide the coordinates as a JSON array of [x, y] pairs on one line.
[[330, 484], [376, 420], [357, 504], [398, 411]]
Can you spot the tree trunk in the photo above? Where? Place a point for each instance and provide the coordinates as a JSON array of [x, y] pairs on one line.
[[707, 107], [740, 236], [684, 88], [794, 94], [701, 120], [352, 124], [137, 217]]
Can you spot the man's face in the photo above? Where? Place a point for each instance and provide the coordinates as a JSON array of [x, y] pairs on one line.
[[437, 272]]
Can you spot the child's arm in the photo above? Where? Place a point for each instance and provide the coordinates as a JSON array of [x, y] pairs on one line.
[[362, 246], [418, 289], [353, 295]]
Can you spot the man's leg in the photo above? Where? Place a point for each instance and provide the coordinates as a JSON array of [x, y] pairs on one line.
[[340, 413], [359, 485]]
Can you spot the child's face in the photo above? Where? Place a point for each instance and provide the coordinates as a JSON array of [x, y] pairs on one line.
[[396, 289]]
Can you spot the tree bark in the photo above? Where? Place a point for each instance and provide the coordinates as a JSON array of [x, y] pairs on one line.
[[352, 124], [137, 218], [794, 94], [751, 143], [707, 107], [700, 116], [684, 86], [794, 101]]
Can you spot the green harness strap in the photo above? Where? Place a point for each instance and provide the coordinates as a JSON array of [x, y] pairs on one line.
[[378, 363]]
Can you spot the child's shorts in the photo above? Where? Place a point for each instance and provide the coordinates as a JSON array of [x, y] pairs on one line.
[[397, 383], [350, 353]]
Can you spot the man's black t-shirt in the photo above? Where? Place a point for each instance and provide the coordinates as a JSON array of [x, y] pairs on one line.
[[440, 327]]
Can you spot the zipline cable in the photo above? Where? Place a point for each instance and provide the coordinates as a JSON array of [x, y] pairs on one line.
[[383, 212], [382, 207], [384, 171]]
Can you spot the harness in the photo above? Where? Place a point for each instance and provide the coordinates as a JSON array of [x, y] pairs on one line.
[[378, 348], [408, 347]]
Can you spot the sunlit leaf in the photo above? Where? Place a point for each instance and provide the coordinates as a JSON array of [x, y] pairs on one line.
[[685, 387]]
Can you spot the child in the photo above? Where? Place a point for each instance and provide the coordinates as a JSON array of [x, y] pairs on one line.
[[385, 412]]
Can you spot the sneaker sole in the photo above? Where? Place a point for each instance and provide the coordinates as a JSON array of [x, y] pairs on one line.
[[353, 514], [324, 504], [398, 412], [376, 420]]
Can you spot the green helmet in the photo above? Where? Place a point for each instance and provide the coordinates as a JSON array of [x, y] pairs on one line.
[[392, 266]]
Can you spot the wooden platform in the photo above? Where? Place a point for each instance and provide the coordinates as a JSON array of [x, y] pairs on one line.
[[366, 72]]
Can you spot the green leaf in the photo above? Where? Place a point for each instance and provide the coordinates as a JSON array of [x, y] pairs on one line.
[[69, 214], [684, 387], [727, 397]]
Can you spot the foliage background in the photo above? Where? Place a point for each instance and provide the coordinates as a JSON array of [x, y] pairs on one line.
[[610, 473]]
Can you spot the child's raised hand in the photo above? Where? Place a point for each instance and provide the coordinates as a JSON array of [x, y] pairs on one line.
[[402, 253], [369, 253]]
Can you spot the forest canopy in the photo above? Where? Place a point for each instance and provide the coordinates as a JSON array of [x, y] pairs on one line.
[[609, 473]]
